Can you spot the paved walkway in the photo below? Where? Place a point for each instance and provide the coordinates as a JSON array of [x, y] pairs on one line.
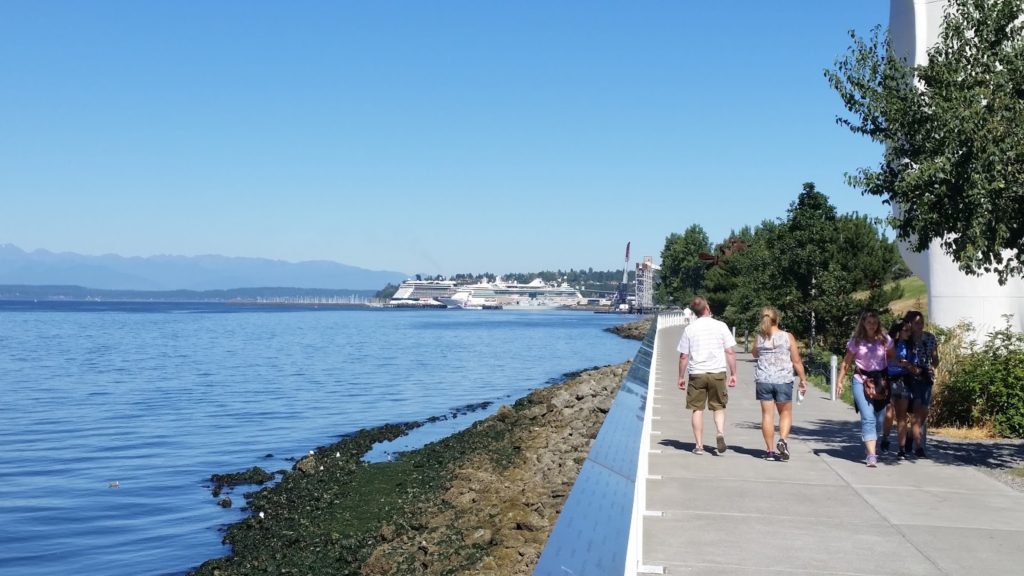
[[824, 511]]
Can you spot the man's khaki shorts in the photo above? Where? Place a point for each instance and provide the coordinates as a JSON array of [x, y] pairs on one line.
[[709, 389]]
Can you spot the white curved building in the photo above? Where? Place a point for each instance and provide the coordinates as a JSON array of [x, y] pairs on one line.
[[952, 295]]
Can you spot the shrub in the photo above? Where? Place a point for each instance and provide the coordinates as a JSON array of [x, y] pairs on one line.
[[982, 385], [954, 401]]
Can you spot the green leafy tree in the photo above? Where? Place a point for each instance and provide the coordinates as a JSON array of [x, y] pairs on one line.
[[818, 268], [682, 272], [953, 131], [720, 278], [803, 250], [759, 279]]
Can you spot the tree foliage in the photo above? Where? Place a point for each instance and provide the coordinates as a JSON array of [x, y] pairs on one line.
[[953, 131], [720, 279], [682, 272], [817, 267]]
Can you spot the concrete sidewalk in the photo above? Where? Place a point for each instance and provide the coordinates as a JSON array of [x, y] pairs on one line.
[[824, 511]]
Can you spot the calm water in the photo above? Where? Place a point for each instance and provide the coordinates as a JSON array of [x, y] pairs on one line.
[[156, 397]]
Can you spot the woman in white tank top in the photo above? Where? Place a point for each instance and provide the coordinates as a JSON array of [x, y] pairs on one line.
[[777, 357]]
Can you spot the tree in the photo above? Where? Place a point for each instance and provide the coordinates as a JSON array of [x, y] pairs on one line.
[[682, 272], [953, 131], [758, 278], [804, 251], [720, 278], [819, 269]]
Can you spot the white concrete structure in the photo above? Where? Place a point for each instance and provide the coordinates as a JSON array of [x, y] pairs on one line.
[[952, 295]]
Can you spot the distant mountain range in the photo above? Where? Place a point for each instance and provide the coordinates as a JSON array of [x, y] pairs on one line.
[[113, 272]]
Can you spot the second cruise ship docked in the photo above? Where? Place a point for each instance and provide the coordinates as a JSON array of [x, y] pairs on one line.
[[535, 295]]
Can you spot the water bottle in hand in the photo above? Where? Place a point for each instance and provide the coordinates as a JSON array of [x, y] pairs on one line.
[[800, 396]]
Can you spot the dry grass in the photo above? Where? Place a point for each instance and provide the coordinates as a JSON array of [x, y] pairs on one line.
[[1018, 472], [958, 433], [904, 305]]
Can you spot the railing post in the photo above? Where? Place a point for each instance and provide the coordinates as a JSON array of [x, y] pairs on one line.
[[746, 342], [833, 377]]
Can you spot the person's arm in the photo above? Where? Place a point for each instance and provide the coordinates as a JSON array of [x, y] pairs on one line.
[[730, 359], [890, 350], [935, 354], [847, 359], [757, 341], [798, 363], [684, 361]]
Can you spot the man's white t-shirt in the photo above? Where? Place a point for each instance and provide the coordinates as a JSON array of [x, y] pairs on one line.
[[704, 342]]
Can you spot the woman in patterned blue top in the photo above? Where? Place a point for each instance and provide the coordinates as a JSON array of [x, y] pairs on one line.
[[927, 348], [902, 369]]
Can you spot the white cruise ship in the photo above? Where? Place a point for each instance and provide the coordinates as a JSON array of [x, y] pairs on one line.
[[422, 294], [536, 295]]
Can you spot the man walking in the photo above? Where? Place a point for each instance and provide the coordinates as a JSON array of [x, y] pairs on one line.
[[705, 350]]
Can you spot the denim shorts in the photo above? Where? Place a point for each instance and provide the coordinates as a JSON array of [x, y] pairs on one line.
[[900, 386], [921, 392], [778, 393]]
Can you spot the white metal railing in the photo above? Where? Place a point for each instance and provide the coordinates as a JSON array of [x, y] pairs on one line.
[[634, 549], [668, 319]]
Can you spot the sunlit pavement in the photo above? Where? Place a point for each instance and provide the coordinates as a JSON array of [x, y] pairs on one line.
[[823, 511]]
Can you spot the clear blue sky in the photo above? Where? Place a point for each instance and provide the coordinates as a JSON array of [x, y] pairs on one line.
[[418, 136]]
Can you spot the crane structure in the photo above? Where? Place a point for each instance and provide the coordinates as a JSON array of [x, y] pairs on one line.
[[621, 302]]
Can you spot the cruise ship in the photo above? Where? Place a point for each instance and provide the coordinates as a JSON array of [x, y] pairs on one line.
[[422, 294], [536, 295]]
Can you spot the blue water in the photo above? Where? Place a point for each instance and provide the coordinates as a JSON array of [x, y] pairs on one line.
[[155, 397]]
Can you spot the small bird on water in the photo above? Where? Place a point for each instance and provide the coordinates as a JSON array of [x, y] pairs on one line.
[[114, 484]]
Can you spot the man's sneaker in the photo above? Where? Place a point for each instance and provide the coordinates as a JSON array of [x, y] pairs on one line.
[[885, 445], [872, 461], [783, 449], [901, 455], [770, 456], [721, 444]]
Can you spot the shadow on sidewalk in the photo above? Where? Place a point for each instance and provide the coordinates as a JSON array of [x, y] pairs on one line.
[[995, 454], [677, 445], [836, 438], [841, 439]]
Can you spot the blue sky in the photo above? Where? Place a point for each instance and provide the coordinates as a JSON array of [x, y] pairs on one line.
[[420, 136]]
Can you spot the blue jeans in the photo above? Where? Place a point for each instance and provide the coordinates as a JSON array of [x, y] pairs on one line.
[[870, 419]]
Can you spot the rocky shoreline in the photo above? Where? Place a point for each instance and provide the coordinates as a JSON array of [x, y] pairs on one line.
[[635, 330], [481, 501]]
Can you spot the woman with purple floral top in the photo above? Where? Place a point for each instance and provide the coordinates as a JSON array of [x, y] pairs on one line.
[[869, 351]]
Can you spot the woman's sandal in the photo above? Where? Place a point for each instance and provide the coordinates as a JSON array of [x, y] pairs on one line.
[[698, 451]]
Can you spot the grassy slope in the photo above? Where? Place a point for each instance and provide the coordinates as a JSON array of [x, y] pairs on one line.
[[915, 296]]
